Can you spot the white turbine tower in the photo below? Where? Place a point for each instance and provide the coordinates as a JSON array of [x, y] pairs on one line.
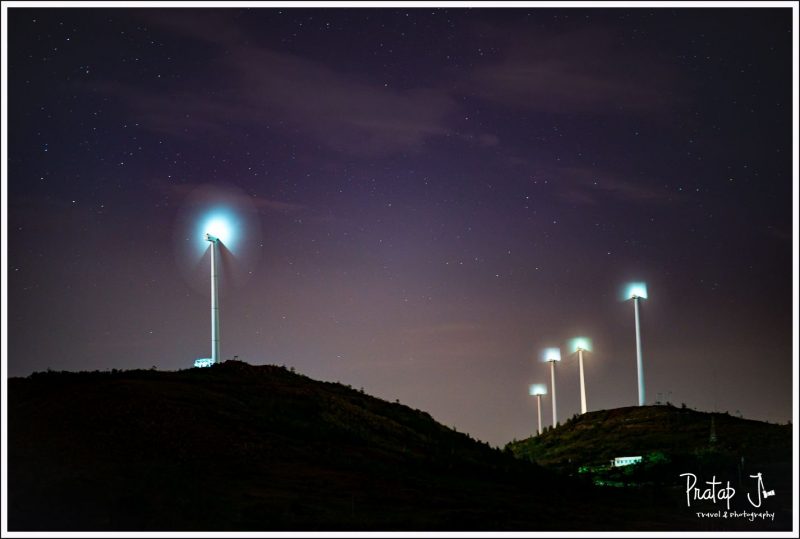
[[538, 390], [214, 300], [551, 355], [581, 345], [637, 291], [216, 230]]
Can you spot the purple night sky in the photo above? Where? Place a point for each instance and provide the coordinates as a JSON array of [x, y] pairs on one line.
[[431, 197]]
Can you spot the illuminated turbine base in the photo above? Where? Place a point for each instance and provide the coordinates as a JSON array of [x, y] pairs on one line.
[[203, 362]]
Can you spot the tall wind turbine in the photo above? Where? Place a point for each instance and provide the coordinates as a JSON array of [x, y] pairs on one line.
[[637, 291], [214, 299], [551, 355], [216, 230], [538, 390], [581, 345]]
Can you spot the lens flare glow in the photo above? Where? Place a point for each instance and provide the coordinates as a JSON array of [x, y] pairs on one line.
[[222, 224], [219, 229], [551, 354], [537, 389], [580, 343], [230, 215], [634, 290]]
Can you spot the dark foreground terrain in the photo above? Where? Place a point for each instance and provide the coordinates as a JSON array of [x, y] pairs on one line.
[[672, 441], [241, 447]]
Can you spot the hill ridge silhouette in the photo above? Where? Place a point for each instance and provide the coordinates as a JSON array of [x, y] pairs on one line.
[[259, 447]]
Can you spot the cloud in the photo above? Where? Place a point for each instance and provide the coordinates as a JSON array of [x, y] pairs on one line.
[[582, 185], [349, 114], [188, 190], [581, 71], [260, 87], [184, 112], [356, 114]]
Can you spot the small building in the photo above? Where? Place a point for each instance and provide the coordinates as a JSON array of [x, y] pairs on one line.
[[625, 461]]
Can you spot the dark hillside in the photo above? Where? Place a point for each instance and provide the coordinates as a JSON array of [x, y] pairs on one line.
[[643, 429], [245, 447], [671, 441], [241, 447]]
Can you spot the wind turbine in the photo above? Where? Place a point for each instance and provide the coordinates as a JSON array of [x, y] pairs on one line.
[[538, 390], [581, 345], [551, 355], [217, 231], [637, 291]]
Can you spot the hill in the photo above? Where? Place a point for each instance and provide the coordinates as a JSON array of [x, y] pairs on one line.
[[670, 441], [242, 447], [645, 429]]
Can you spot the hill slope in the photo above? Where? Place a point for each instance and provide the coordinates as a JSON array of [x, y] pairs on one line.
[[644, 429], [638, 430], [241, 447], [671, 441], [245, 447]]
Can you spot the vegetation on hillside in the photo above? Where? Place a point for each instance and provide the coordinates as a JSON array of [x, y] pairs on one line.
[[670, 441]]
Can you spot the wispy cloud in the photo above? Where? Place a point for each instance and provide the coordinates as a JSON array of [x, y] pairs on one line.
[[349, 114], [579, 71], [346, 112], [357, 114], [186, 190], [582, 185]]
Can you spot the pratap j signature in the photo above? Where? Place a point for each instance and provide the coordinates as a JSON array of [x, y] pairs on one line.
[[716, 493]]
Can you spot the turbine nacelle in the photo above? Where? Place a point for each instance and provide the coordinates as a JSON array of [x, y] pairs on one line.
[[551, 354], [537, 389], [634, 290], [580, 343], [220, 227]]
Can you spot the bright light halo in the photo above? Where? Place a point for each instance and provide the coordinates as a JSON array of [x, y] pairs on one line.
[[636, 290], [219, 228], [551, 354], [580, 343], [537, 389], [221, 224]]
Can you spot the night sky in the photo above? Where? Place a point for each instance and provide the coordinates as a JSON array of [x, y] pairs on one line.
[[431, 197]]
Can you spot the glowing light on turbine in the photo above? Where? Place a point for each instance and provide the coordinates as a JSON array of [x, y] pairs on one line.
[[580, 343], [219, 228], [551, 354], [230, 215], [222, 224], [634, 290], [537, 389]]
